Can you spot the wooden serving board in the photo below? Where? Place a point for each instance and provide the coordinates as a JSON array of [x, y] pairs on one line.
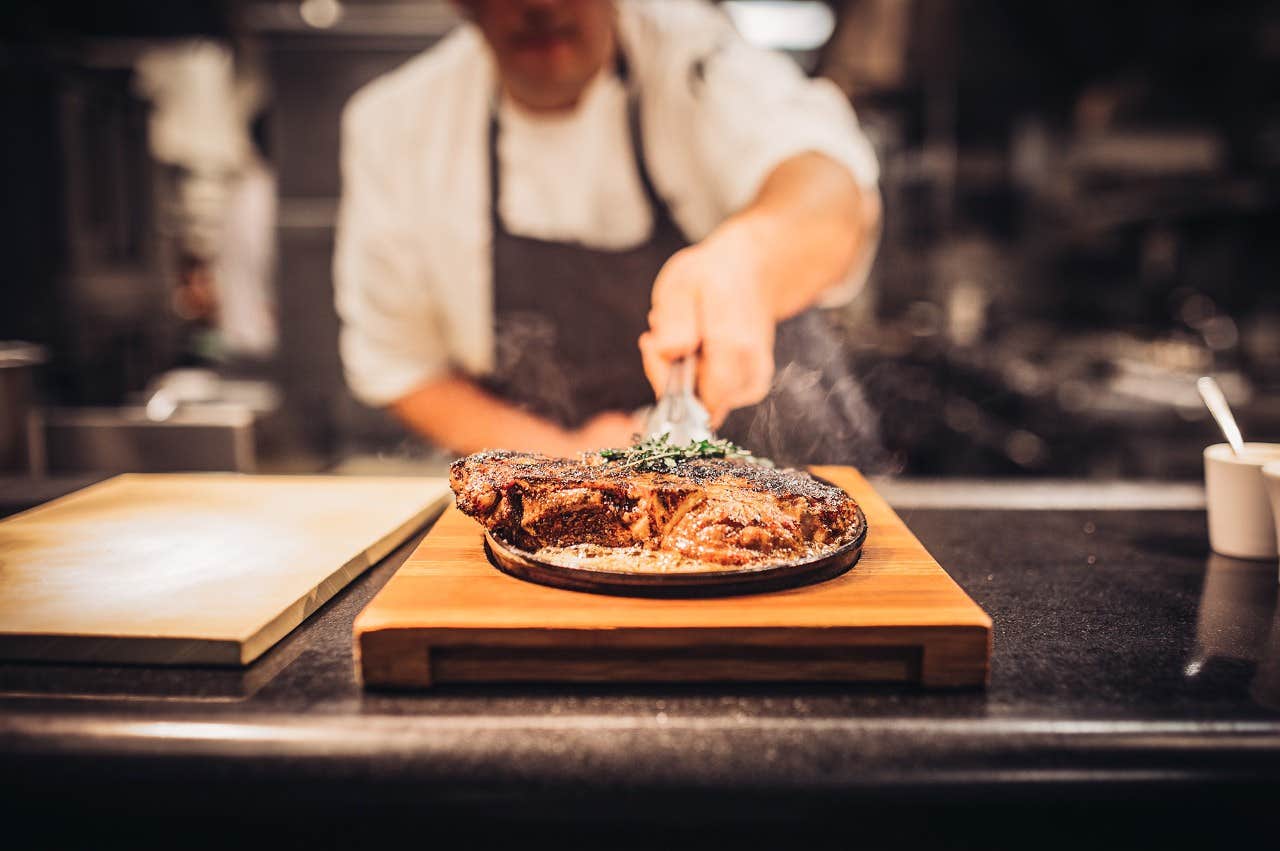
[[448, 616], [193, 569]]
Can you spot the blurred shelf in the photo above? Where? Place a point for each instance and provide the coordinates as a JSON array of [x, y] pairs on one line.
[[392, 21]]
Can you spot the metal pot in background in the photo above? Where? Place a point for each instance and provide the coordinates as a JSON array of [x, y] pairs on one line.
[[21, 434]]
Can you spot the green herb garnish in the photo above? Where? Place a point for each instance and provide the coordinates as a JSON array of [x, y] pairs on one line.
[[660, 455]]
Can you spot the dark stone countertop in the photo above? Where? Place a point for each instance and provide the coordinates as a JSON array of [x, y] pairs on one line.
[[1135, 695]]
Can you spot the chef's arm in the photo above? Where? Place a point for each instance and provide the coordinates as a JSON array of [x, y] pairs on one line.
[[808, 225], [456, 413]]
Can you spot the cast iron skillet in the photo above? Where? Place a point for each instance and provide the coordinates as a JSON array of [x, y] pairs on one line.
[[522, 564]]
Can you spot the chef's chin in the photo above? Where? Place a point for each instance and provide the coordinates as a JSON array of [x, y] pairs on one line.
[[548, 73]]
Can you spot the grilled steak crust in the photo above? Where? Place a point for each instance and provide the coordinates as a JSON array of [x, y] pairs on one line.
[[711, 510]]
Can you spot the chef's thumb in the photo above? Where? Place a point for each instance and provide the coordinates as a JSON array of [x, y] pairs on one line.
[[656, 367]]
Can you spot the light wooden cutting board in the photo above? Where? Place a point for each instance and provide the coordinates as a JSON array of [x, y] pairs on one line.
[[448, 615], [193, 568]]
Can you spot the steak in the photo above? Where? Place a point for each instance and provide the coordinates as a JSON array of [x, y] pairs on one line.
[[726, 512]]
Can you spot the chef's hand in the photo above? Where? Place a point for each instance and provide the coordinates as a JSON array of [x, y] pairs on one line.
[[710, 299], [801, 234]]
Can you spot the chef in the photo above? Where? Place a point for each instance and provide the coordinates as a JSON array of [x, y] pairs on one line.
[[545, 210]]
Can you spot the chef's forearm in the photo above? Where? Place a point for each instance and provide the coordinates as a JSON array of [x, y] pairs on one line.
[[807, 226], [458, 414]]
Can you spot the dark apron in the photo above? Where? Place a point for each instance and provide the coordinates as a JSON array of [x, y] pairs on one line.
[[567, 319]]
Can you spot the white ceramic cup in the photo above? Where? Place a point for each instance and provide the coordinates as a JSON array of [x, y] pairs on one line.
[[1271, 478], [1241, 523]]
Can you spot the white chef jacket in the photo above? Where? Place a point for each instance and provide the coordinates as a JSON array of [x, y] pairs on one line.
[[412, 265]]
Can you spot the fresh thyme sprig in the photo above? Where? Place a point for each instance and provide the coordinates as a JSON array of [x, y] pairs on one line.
[[658, 454]]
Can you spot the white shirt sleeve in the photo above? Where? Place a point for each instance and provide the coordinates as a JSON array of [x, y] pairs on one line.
[[391, 339], [757, 109]]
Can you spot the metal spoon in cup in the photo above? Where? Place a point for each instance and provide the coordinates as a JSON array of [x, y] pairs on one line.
[[1217, 404]]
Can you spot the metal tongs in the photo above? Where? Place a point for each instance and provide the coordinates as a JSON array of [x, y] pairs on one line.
[[679, 414]]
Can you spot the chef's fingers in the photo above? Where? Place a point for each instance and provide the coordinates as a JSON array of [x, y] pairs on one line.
[[733, 376], [673, 325], [656, 367], [675, 309], [720, 371]]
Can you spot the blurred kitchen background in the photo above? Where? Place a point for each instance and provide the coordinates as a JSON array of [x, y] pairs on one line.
[[1081, 218]]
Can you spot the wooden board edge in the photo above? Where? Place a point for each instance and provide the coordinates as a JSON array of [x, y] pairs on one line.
[[404, 660], [162, 651], [123, 478], [268, 634], [219, 651], [957, 657], [422, 657], [392, 658], [846, 476], [57, 501]]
